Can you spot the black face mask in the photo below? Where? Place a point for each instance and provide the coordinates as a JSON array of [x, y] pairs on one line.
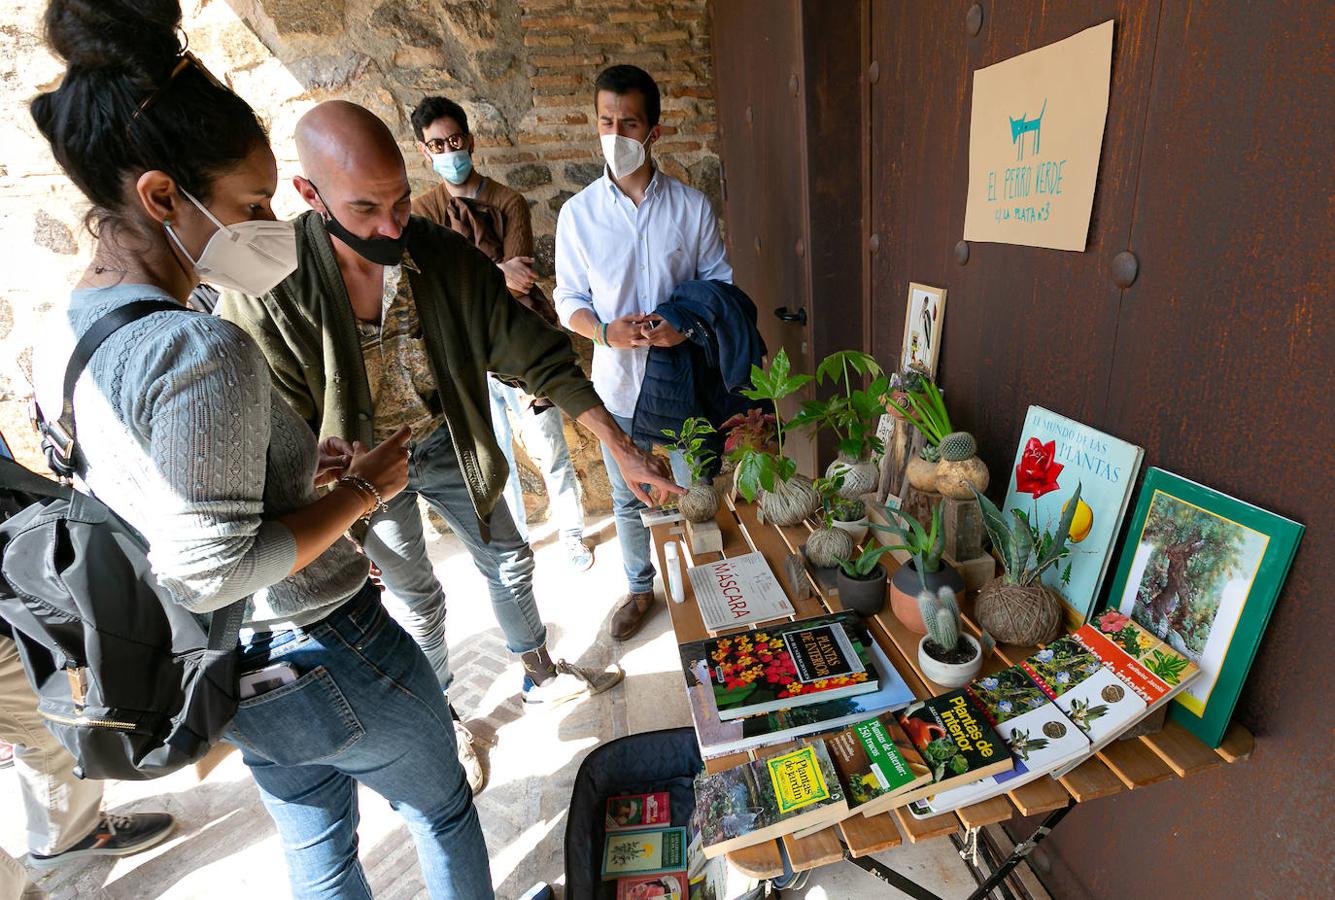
[[382, 251]]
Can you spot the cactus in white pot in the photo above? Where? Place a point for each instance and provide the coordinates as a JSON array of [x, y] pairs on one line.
[[947, 655]]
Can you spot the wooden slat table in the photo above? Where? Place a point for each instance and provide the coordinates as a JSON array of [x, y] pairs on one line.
[[1122, 765]]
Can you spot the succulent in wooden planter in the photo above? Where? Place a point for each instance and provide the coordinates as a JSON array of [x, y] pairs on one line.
[[700, 503]]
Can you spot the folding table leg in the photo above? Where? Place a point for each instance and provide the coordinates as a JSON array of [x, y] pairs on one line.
[[890, 876], [1022, 850]]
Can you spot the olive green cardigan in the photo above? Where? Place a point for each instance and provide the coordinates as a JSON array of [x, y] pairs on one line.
[[471, 326]]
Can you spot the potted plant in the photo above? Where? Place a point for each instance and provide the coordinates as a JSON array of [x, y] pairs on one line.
[[946, 654], [849, 515], [852, 416], [701, 501], [828, 544], [786, 498], [1016, 607], [754, 429], [861, 581], [948, 463], [924, 571]]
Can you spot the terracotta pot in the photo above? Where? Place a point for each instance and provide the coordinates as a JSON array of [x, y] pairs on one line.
[[860, 475], [826, 546], [905, 587], [1026, 615], [700, 503], [921, 473], [865, 596], [950, 675], [954, 478], [856, 530], [789, 503]]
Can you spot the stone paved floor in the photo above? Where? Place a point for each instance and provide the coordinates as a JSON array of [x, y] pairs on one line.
[[226, 846]]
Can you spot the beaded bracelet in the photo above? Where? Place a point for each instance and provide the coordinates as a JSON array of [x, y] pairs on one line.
[[366, 489]]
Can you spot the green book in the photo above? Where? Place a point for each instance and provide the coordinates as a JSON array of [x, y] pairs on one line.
[[644, 853]]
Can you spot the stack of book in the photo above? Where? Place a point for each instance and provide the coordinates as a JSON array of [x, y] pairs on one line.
[[784, 681]]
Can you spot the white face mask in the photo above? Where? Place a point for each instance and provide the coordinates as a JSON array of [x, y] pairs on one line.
[[624, 155], [250, 257]]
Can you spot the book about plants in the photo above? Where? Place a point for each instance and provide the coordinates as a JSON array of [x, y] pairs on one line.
[[644, 853], [717, 737], [667, 886], [955, 740], [1055, 454], [876, 761], [632, 812], [767, 798], [738, 591], [1201, 571], [790, 664], [1040, 737]]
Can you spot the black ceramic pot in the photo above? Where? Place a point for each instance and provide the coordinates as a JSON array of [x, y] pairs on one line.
[[865, 596]]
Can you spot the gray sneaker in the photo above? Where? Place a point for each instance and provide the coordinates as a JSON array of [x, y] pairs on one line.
[[572, 683], [113, 836]]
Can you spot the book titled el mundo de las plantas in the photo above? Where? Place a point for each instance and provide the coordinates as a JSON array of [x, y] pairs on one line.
[[1056, 454], [765, 799], [717, 736], [955, 741], [790, 664], [644, 853]]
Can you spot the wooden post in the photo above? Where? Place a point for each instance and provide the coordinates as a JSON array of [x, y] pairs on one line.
[[704, 537]]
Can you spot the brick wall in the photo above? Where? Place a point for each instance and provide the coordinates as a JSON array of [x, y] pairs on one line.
[[523, 69]]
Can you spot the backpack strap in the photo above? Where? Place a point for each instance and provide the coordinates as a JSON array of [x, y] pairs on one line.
[[58, 436], [15, 477]]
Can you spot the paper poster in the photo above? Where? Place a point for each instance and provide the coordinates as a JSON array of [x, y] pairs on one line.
[[1035, 133]]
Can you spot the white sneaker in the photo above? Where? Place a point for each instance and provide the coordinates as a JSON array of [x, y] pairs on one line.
[[578, 553], [572, 683], [469, 758]]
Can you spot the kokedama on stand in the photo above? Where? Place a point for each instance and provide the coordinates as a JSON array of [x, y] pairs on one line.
[[701, 500], [786, 498], [851, 417], [827, 545]]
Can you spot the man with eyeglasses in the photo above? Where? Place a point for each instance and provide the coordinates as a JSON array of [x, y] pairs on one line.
[[496, 219]]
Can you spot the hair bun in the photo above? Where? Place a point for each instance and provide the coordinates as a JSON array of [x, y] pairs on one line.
[[139, 36]]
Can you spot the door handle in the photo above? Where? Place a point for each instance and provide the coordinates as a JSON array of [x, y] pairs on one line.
[[800, 317]]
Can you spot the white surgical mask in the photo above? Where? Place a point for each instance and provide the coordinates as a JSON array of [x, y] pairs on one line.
[[251, 257], [624, 155]]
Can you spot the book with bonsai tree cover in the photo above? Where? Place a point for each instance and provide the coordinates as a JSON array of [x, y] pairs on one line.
[[765, 799], [644, 853], [1040, 737], [875, 762], [717, 736], [955, 741], [790, 664]]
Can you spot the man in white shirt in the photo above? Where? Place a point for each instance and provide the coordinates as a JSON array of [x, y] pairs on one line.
[[622, 244]]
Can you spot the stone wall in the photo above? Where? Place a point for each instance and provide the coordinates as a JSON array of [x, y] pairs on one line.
[[523, 69]]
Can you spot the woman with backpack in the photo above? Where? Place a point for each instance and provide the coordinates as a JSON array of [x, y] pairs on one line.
[[178, 432]]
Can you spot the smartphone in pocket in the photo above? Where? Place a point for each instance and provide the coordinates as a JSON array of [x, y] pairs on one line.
[[252, 684]]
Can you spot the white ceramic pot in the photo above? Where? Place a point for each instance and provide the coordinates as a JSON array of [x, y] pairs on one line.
[[856, 530], [945, 674]]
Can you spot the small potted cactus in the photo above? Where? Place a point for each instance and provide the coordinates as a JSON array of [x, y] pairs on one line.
[[946, 654], [700, 503], [960, 472], [828, 544]]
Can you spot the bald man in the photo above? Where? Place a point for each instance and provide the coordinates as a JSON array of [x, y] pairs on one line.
[[392, 320]]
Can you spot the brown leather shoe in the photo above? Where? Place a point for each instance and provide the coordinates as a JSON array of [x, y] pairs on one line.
[[630, 615]]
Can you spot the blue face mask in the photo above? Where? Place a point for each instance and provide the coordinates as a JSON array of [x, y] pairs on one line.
[[454, 166]]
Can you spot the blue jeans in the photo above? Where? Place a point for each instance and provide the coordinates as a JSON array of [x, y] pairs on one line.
[[415, 596], [631, 533], [366, 709], [544, 439]]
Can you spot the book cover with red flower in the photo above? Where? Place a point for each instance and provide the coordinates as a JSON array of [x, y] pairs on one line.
[[790, 664], [1056, 454]]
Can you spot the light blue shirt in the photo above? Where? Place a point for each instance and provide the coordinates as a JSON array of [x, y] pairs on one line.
[[615, 259]]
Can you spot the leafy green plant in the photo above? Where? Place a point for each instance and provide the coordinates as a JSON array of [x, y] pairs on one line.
[[836, 508], [1026, 551], [852, 416], [758, 467], [691, 442], [924, 408], [925, 544], [864, 564]]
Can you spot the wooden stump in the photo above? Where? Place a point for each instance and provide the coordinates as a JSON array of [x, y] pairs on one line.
[[704, 537], [962, 521]]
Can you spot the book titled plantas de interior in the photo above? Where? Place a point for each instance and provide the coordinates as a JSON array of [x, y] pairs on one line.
[[633, 812], [1055, 454], [644, 853], [790, 664], [738, 591], [717, 736], [767, 798], [955, 741]]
